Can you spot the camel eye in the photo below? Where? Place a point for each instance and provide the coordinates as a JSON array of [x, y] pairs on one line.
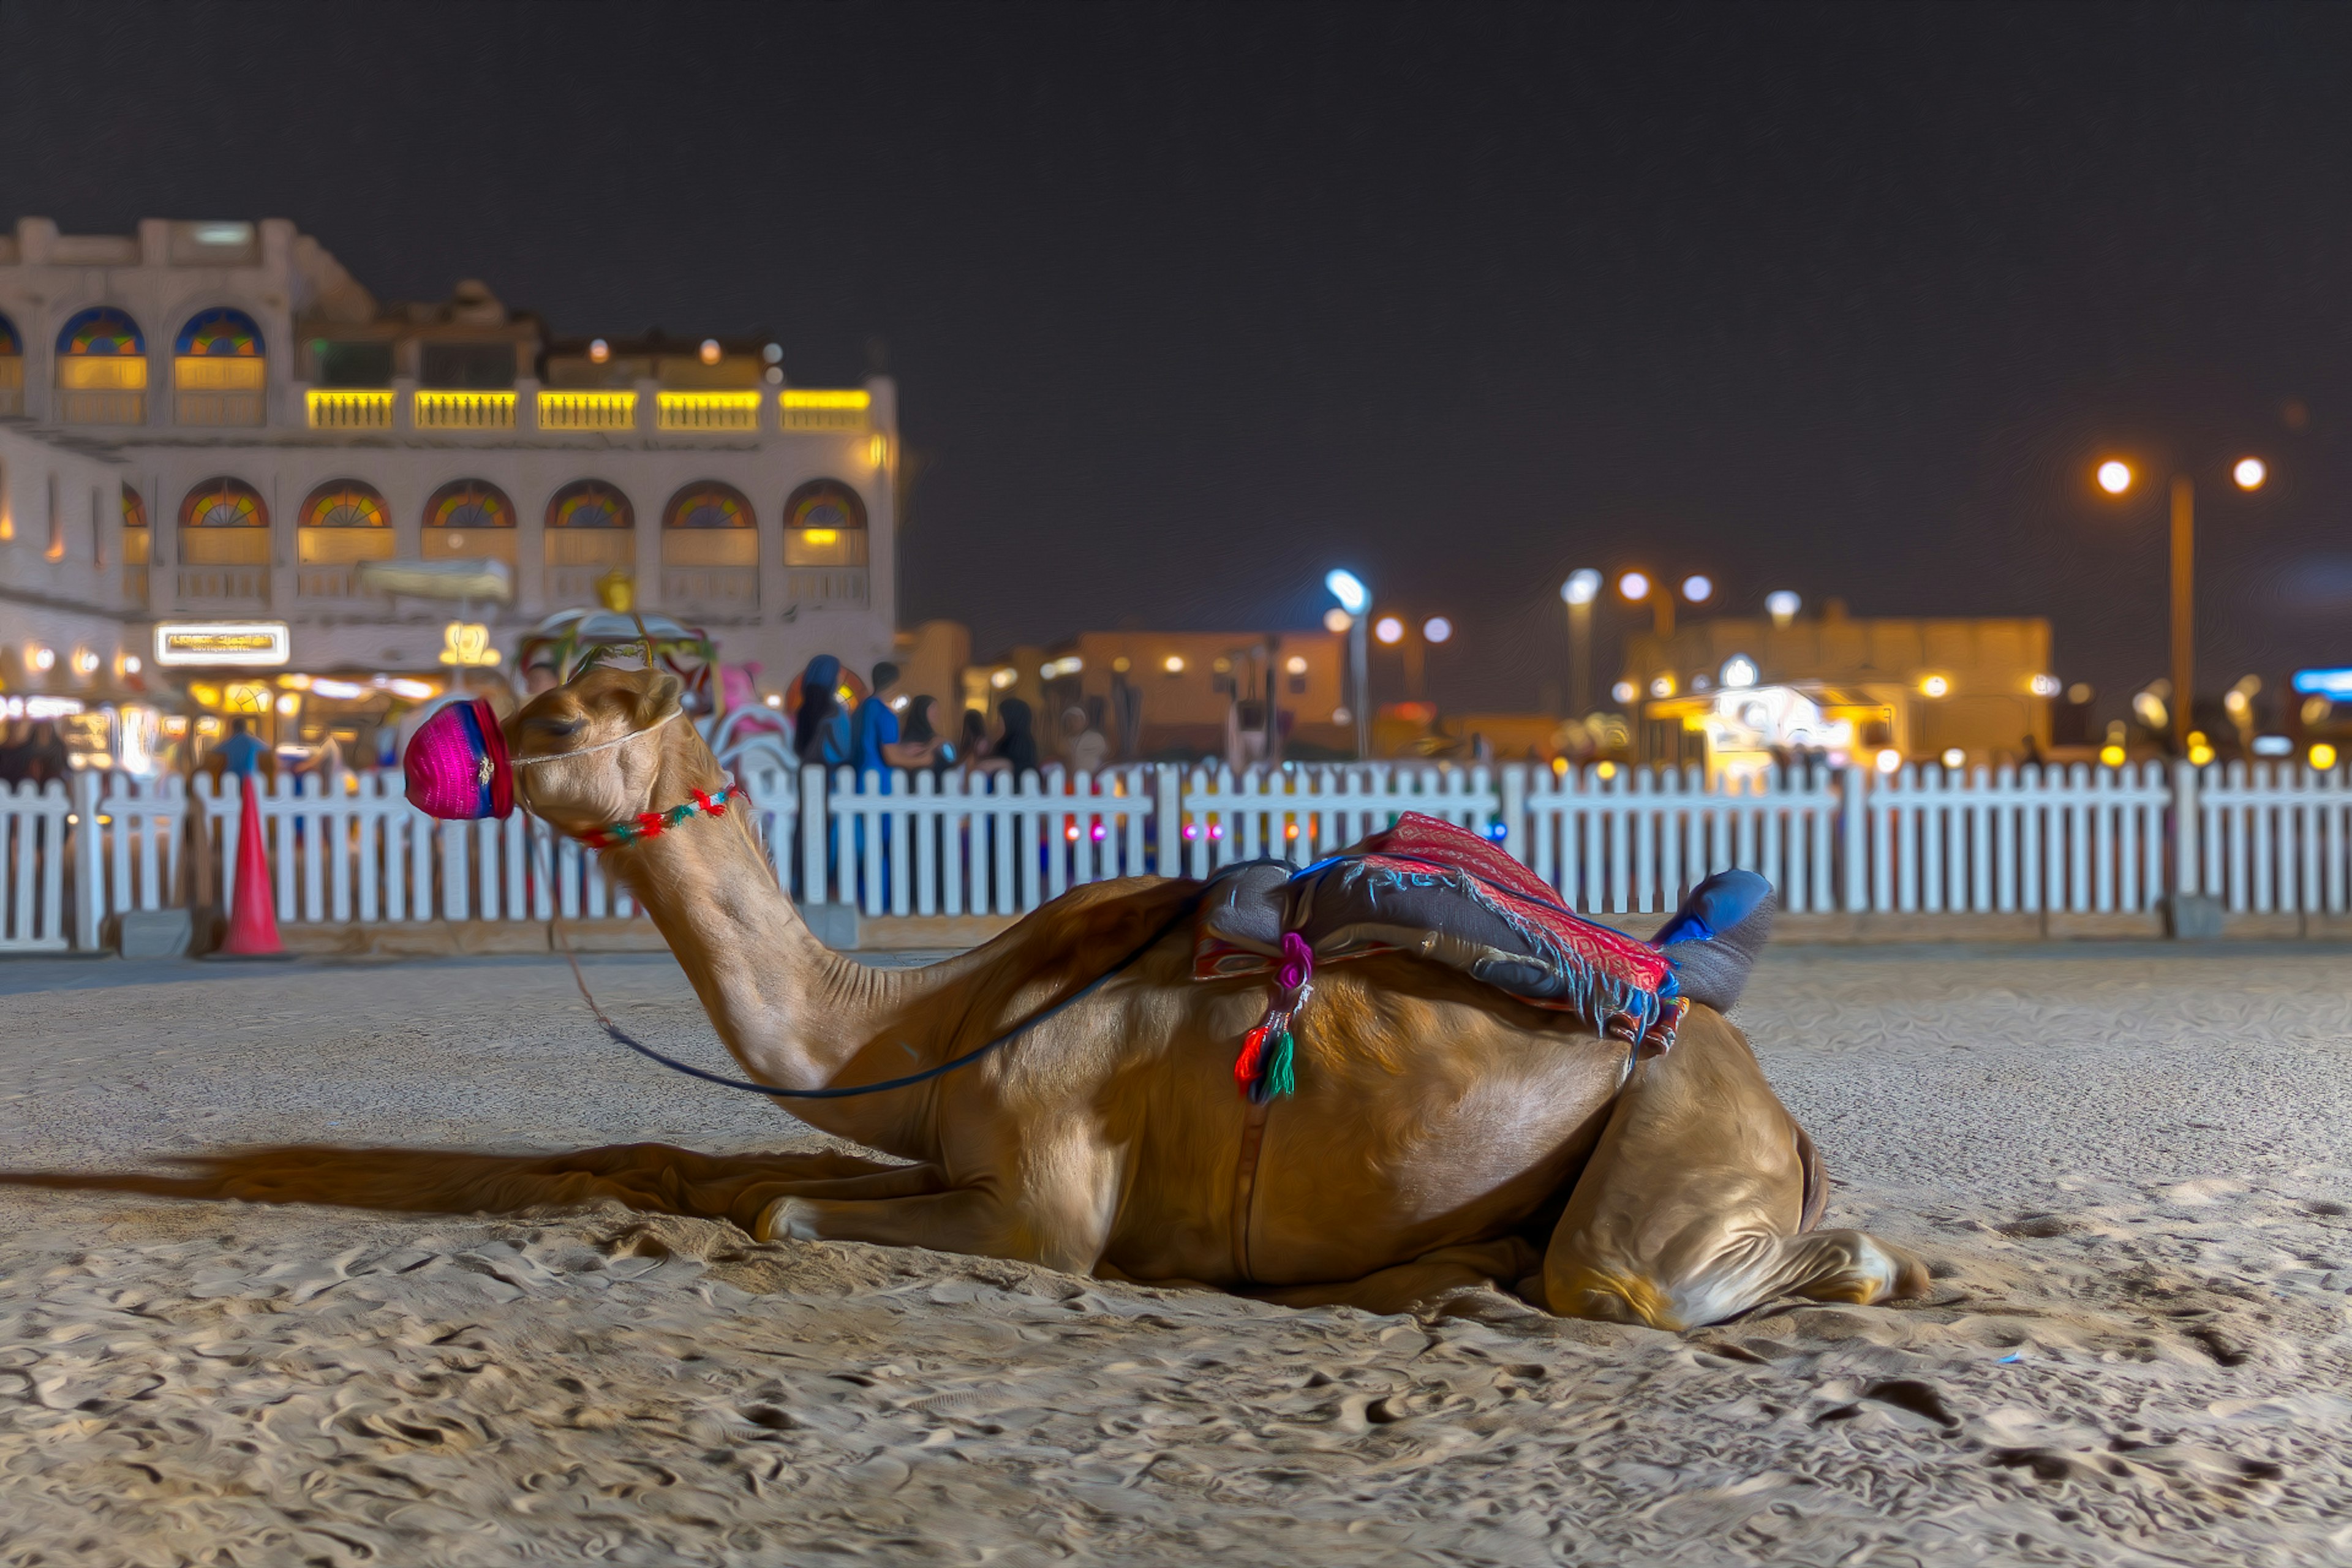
[[554, 729]]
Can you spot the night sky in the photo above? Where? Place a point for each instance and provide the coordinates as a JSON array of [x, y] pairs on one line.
[[1188, 304]]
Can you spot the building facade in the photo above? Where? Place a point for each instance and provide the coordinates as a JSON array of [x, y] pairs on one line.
[[215, 423]]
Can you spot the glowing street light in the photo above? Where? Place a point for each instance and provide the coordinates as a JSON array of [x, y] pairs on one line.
[[1354, 598], [1581, 587], [1782, 607], [1437, 628], [1389, 629], [1698, 589], [1634, 586], [1349, 590], [2114, 478]]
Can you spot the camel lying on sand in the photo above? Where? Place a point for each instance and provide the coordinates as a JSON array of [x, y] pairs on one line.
[[1443, 1133], [1446, 1134]]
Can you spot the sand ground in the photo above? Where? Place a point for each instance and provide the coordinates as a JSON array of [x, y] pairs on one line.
[[2130, 1167]]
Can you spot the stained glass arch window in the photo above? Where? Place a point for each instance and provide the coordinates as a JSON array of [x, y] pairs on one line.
[[219, 333], [223, 502], [345, 503], [590, 503], [825, 504], [11, 345], [707, 504], [100, 333], [134, 508], [469, 504]]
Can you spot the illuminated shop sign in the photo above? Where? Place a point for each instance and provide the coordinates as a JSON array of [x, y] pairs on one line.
[[2334, 683], [240, 643]]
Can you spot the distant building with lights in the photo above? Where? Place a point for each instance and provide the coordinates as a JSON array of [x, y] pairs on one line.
[[215, 424], [1163, 695], [1733, 691]]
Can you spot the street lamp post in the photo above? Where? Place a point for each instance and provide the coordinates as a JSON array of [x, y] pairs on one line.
[[2116, 477], [1356, 601], [1583, 586]]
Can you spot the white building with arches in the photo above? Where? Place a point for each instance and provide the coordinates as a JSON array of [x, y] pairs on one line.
[[214, 422]]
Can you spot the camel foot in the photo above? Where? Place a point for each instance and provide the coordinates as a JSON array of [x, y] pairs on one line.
[[1613, 1298], [786, 1220], [1852, 1267]]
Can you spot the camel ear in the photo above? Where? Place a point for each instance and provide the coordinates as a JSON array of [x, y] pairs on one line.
[[659, 699]]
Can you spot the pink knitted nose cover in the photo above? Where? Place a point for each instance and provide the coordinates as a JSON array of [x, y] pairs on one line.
[[457, 765]]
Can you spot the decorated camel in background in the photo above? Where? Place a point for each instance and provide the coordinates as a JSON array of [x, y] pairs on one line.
[[1439, 1131]]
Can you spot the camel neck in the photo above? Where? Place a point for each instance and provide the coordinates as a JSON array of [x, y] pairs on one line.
[[791, 1011]]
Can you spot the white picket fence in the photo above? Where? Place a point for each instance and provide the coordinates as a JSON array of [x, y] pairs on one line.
[[2272, 839]]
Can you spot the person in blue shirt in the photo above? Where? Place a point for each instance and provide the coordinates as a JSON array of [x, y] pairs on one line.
[[241, 752], [875, 744]]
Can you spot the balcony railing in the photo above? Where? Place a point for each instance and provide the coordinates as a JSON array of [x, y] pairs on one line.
[[844, 587], [217, 408], [76, 406], [708, 410], [464, 410], [587, 410], [342, 409], [339, 580], [708, 588], [225, 584], [815, 408]]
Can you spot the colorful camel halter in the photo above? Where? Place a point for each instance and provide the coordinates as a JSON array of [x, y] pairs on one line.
[[458, 769], [1439, 892]]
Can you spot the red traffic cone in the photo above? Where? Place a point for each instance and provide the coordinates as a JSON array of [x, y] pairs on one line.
[[253, 915]]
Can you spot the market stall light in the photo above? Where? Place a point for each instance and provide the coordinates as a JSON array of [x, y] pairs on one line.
[[337, 690], [412, 690], [1738, 671], [2273, 746], [1296, 664], [1887, 760], [1954, 758], [290, 703], [2321, 755], [2112, 756], [1173, 663], [41, 659], [2043, 686], [1623, 691], [1782, 605], [85, 662], [2199, 754], [1935, 685], [1336, 621], [710, 351], [1662, 686]]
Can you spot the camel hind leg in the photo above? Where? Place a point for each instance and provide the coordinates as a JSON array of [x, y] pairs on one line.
[[1694, 1208]]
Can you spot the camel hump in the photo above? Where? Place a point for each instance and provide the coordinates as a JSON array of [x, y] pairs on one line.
[[1714, 938]]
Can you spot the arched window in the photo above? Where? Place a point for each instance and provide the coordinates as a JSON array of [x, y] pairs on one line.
[[824, 525], [224, 522], [711, 547], [101, 369], [343, 522], [138, 545], [591, 530], [12, 369], [469, 519], [217, 374]]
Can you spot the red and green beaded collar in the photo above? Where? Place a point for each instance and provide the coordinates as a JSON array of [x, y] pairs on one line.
[[654, 824]]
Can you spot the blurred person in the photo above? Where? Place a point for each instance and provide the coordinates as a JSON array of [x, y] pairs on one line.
[[45, 757], [923, 731], [971, 747], [242, 752], [820, 730], [1083, 747], [874, 740], [1015, 748]]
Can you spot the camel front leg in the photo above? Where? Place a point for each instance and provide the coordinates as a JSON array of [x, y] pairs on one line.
[[1424, 1286], [1691, 1209], [972, 1220]]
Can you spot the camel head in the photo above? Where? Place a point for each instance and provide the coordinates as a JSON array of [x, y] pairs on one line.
[[576, 765]]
